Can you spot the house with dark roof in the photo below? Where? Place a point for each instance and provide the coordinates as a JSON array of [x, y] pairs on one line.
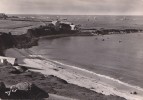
[[64, 26]]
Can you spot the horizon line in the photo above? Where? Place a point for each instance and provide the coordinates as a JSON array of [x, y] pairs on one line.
[[72, 14]]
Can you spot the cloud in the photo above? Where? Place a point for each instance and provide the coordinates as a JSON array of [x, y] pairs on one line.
[[72, 6]]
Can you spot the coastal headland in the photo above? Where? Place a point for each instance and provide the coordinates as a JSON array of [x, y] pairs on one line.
[[54, 77]]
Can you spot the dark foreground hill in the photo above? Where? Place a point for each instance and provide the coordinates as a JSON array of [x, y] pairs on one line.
[[51, 84]]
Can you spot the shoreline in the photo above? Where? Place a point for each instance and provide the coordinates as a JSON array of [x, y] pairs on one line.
[[52, 83], [74, 75], [94, 84]]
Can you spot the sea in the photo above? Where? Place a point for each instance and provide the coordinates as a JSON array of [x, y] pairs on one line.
[[119, 56], [93, 21]]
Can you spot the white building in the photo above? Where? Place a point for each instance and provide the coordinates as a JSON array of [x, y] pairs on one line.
[[56, 24], [72, 27], [10, 60]]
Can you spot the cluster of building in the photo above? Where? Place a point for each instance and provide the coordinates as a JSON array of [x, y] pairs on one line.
[[62, 25]]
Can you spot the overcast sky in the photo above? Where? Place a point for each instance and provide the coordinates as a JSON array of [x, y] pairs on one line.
[[122, 7]]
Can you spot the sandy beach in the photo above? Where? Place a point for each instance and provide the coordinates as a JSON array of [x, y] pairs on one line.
[[81, 77]]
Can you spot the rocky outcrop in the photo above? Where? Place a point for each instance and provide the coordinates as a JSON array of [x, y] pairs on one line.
[[3, 16], [6, 41], [18, 41], [44, 85], [23, 90], [103, 31]]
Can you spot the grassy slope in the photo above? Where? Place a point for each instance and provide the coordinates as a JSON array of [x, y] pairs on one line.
[[52, 84], [17, 27]]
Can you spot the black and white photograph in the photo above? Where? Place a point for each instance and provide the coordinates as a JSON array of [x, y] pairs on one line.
[[71, 49]]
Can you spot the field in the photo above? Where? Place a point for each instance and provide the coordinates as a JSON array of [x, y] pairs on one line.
[[17, 27]]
